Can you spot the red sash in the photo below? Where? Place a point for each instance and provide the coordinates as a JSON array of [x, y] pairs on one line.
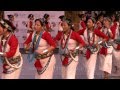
[[31, 24], [88, 53], [65, 61], [103, 51], [118, 47], [38, 65]]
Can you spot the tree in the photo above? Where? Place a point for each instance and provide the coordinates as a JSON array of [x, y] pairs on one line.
[[73, 15]]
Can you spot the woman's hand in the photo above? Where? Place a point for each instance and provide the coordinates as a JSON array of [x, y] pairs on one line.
[[3, 54], [27, 47]]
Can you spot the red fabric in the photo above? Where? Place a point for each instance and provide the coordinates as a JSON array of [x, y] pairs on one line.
[[83, 25], [99, 28], [75, 36], [13, 43], [31, 24], [101, 34], [88, 53], [99, 25], [58, 36], [4, 66], [29, 39], [65, 61], [38, 65], [80, 32], [118, 47], [46, 36], [103, 51], [113, 29], [48, 26]]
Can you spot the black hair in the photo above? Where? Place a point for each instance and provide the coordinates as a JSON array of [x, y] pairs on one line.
[[69, 22], [81, 15], [61, 17], [11, 27], [116, 17], [30, 16], [41, 20], [93, 20], [99, 15], [10, 16], [108, 18], [46, 16]]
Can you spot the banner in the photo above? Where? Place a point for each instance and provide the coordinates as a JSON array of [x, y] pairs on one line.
[[21, 18]]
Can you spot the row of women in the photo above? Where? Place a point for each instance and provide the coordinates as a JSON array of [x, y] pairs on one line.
[[92, 40]]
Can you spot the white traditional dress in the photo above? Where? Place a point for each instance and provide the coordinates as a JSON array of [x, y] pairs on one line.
[[45, 66], [11, 47], [91, 38], [68, 43], [106, 54], [116, 52]]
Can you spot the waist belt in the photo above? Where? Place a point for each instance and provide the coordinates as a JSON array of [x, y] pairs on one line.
[[74, 54], [44, 55], [92, 49], [12, 60], [106, 44]]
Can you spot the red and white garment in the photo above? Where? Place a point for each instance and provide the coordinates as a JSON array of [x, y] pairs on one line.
[[116, 52], [30, 25], [60, 28], [91, 37], [45, 42], [98, 25], [12, 51], [90, 60], [82, 25], [73, 39], [48, 26], [106, 54]]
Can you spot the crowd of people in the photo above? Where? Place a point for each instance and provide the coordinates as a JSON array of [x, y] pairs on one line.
[[98, 37]]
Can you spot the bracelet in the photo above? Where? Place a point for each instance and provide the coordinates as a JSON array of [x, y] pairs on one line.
[[109, 30], [1, 53], [45, 51], [77, 47], [100, 42]]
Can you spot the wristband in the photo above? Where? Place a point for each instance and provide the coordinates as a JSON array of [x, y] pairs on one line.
[[99, 42], [77, 47], [1, 53], [109, 30], [45, 51]]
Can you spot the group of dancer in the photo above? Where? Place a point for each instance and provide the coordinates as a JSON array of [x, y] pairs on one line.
[[97, 38]]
